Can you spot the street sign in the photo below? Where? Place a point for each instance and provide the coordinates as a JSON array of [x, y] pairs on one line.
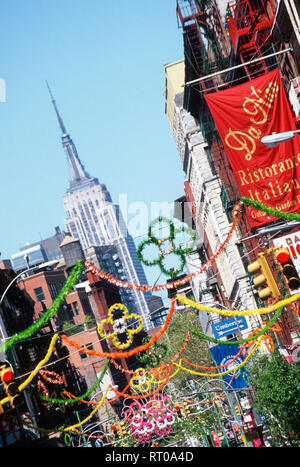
[[229, 326]]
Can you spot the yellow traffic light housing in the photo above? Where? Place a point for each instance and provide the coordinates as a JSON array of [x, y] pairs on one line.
[[265, 278], [122, 428], [11, 387], [288, 268]]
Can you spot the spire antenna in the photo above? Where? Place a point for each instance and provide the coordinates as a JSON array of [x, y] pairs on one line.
[[60, 120]]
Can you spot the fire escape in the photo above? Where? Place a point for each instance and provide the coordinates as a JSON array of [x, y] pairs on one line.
[[205, 53], [249, 26]]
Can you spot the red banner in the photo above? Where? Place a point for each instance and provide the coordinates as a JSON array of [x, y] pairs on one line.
[[243, 115]]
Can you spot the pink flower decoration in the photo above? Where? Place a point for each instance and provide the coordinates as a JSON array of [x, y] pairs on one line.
[[155, 418]]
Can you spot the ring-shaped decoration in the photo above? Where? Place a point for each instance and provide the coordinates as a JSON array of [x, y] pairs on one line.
[[161, 242], [141, 380], [157, 221], [119, 325], [172, 272], [192, 234], [181, 252], [140, 249]]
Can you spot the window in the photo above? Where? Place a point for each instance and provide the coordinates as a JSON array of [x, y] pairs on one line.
[[85, 356], [53, 290], [76, 308], [39, 294]]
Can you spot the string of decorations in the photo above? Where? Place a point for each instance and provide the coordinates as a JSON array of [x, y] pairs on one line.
[[50, 377], [271, 211], [159, 366], [179, 365], [52, 310], [241, 341], [40, 364], [154, 355], [89, 416], [167, 374], [129, 353], [153, 240], [122, 335], [268, 341], [260, 311], [80, 398], [215, 367], [37, 368], [236, 213]]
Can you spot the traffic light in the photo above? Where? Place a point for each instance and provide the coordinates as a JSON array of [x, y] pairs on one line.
[[115, 432], [237, 409], [288, 269], [122, 429], [178, 411], [265, 278], [11, 387]]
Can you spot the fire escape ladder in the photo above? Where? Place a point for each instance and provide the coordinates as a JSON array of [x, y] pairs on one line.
[[253, 70]]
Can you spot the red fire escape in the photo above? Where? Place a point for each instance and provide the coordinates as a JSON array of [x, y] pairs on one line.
[[249, 25]]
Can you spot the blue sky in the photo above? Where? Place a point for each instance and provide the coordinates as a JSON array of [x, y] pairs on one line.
[[104, 62]]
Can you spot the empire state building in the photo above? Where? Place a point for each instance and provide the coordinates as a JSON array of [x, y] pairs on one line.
[[93, 218]]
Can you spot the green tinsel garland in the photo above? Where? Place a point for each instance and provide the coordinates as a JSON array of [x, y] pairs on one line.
[[181, 252], [83, 396], [52, 310], [273, 212], [241, 341], [156, 221]]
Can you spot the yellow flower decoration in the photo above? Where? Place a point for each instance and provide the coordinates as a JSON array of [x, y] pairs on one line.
[[142, 380], [122, 335]]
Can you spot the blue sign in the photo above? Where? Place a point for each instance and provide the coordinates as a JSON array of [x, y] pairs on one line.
[[223, 355], [229, 326]]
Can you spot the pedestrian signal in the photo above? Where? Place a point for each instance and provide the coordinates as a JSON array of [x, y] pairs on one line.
[[288, 269], [265, 280]]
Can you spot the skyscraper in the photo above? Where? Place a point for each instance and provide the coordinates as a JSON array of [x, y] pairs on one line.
[[92, 217]]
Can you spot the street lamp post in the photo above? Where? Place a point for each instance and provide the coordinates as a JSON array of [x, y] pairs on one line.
[[272, 141]]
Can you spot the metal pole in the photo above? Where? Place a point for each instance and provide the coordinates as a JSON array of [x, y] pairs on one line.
[[198, 80], [78, 418]]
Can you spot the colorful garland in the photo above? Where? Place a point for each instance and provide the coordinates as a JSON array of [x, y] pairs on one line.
[[153, 418], [236, 212], [152, 240], [80, 398], [241, 341], [52, 310], [153, 358], [268, 341], [273, 212], [129, 353], [261, 311], [121, 329], [40, 364], [70, 428], [179, 365]]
